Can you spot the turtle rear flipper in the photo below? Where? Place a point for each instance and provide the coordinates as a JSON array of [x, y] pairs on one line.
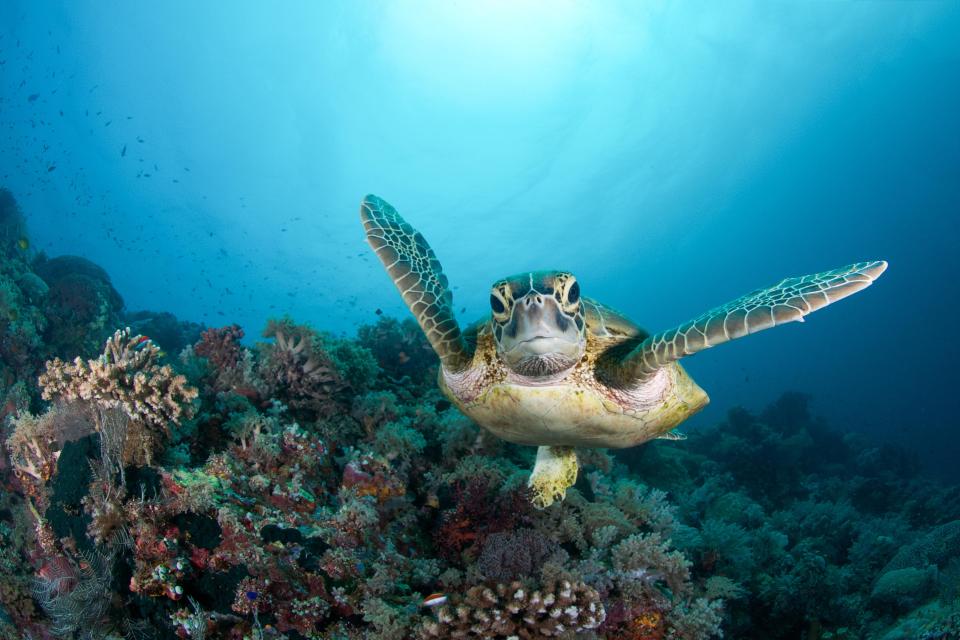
[[788, 301], [554, 472], [419, 277]]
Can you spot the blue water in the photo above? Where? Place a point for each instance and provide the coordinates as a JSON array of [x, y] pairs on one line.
[[673, 156]]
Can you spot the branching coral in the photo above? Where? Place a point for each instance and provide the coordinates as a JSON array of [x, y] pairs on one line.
[[227, 359], [513, 611], [126, 376], [644, 559]]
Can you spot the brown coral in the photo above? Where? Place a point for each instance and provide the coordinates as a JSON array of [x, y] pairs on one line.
[[298, 370], [230, 365], [512, 610], [126, 377], [33, 449], [221, 346], [36, 441]]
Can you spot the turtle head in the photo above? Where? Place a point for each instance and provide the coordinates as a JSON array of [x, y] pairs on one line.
[[538, 322]]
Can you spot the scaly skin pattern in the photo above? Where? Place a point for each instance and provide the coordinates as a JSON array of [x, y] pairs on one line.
[[573, 408]]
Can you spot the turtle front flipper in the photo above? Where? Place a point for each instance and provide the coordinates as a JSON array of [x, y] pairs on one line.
[[554, 472], [415, 270], [789, 300]]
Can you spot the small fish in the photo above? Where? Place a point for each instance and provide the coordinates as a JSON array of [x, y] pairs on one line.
[[33, 97], [123, 152], [434, 600], [140, 341], [23, 243], [379, 312]]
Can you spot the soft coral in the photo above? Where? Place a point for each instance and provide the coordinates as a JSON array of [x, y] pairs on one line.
[[480, 510]]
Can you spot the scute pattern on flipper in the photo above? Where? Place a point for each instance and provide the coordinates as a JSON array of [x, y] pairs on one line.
[[419, 277], [787, 301]]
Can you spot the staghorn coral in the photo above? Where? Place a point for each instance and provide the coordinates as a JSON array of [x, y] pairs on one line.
[[513, 611], [127, 377]]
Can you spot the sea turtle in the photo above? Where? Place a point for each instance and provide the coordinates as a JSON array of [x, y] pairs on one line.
[[555, 369]]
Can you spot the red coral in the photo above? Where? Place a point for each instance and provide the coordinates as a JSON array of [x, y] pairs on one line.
[[368, 476], [221, 346], [479, 511], [643, 621]]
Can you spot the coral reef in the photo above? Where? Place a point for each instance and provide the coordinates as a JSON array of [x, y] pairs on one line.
[[164, 329], [320, 507], [313, 486], [818, 532], [312, 372], [81, 306], [401, 349]]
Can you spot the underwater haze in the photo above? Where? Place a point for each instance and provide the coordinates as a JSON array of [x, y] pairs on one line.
[[672, 155], [218, 418]]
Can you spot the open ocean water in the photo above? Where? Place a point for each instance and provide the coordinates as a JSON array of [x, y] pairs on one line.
[[220, 419]]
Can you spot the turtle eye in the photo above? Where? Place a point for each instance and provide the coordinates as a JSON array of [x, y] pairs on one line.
[[573, 293], [496, 304]]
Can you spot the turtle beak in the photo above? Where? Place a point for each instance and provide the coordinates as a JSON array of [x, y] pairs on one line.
[[539, 327]]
